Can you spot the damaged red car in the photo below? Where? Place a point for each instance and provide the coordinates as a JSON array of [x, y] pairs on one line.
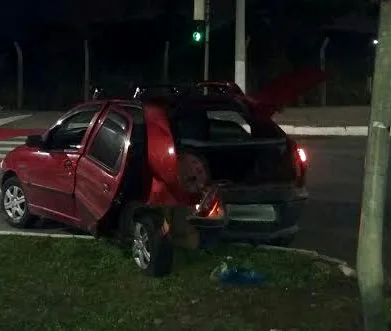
[[187, 168]]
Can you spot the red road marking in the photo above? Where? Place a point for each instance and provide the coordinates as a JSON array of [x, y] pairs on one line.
[[11, 133]]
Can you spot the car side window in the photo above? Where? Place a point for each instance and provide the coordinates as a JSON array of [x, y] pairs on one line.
[[70, 133], [108, 146]]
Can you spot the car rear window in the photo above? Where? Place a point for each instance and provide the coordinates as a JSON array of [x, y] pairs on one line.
[[220, 126]]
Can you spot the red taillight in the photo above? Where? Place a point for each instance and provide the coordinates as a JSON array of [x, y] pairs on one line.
[[302, 155], [301, 166], [210, 205]]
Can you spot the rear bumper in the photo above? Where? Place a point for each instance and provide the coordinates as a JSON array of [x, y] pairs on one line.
[[265, 215], [287, 205], [285, 223]]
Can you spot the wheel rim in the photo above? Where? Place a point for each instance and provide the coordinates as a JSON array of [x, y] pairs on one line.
[[14, 203], [141, 253]]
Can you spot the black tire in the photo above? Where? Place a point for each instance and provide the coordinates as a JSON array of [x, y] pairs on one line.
[[26, 220], [159, 244]]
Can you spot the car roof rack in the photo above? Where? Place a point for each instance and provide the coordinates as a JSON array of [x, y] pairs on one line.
[[198, 88], [211, 92]]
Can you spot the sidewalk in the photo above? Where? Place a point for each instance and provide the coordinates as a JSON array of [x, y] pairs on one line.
[[37, 120], [308, 121], [349, 116]]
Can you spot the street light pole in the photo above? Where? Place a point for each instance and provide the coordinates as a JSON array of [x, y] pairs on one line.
[[240, 44], [207, 36], [86, 85], [322, 58], [166, 62], [19, 53]]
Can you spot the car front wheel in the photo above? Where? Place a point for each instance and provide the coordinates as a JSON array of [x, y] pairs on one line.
[[151, 249], [14, 204]]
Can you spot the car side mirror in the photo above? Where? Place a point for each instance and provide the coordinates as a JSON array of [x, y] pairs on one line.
[[35, 140]]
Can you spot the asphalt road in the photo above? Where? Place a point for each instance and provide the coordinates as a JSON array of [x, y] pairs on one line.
[[335, 180], [330, 221]]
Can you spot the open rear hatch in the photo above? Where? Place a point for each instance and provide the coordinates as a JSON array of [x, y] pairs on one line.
[[250, 162], [218, 144]]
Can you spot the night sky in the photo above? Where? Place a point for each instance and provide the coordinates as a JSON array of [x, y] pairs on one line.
[[127, 42], [18, 16]]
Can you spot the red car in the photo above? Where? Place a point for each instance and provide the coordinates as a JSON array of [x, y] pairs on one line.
[[159, 172]]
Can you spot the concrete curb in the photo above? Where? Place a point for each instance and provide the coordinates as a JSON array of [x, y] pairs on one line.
[[357, 131], [343, 266], [47, 235]]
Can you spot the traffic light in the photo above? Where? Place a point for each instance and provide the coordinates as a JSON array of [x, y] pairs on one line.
[[198, 33], [197, 36]]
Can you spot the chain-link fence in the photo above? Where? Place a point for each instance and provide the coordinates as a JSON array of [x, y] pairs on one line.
[[53, 76]]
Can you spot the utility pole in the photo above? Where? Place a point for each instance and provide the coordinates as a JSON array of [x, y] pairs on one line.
[[20, 87], [207, 37], [240, 44], [369, 252]]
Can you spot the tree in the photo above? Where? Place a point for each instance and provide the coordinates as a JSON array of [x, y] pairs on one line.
[[369, 253]]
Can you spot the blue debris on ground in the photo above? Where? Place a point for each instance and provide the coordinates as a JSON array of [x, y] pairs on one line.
[[229, 273]]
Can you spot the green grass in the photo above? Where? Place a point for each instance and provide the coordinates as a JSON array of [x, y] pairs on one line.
[[70, 284]]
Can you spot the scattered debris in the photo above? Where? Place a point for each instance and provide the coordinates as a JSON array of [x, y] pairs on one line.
[[234, 274], [347, 271]]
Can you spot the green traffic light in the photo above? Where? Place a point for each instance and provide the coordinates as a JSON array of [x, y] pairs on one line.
[[197, 36]]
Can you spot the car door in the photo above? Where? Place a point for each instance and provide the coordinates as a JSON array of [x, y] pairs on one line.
[[51, 174], [100, 169]]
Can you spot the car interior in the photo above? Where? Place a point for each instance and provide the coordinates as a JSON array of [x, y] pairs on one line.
[[199, 125]]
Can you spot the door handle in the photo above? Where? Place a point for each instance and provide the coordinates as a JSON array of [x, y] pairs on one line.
[[106, 187], [68, 164]]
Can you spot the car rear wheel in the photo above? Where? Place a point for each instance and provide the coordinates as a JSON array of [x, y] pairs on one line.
[[14, 204]]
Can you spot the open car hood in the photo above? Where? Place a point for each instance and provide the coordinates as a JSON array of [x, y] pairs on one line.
[[285, 89]]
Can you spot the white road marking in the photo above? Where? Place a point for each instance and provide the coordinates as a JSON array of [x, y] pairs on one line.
[[11, 119], [11, 142], [8, 145]]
